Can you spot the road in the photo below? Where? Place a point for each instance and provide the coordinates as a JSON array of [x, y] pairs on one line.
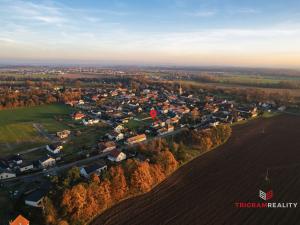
[[57, 169], [60, 168]]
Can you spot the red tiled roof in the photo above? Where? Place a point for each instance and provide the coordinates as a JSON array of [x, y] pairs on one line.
[[20, 220], [115, 153]]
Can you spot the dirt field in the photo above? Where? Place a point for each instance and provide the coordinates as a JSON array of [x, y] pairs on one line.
[[204, 190]]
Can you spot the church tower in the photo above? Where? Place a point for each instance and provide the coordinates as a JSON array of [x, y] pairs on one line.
[[180, 90]]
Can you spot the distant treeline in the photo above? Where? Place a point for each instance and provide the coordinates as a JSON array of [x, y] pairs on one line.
[[32, 97], [217, 79]]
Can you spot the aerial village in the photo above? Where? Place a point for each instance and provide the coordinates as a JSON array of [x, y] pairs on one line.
[[130, 118]]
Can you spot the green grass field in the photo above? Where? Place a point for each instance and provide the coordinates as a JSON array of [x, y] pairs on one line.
[[16, 126]]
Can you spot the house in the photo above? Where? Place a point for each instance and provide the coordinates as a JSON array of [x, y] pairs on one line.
[[17, 159], [95, 168], [20, 220], [119, 128], [25, 167], [47, 161], [87, 122], [96, 112], [136, 139], [166, 130], [78, 116], [35, 198], [80, 102], [6, 174], [116, 156], [173, 120], [106, 146], [214, 123], [63, 134], [54, 148], [115, 136]]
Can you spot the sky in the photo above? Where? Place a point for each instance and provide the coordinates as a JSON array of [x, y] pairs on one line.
[[259, 33]]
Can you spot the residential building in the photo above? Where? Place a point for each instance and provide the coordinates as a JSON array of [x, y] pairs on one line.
[[116, 156], [106, 146], [35, 198], [119, 128], [63, 134], [47, 162], [115, 136], [25, 167], [78, 116], [6, 174], [20, 220], [95, 168], [136, 139], [165, 130], [54, 148]]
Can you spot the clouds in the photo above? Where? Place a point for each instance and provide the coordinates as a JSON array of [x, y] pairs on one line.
[[98, 31], [208, 13]]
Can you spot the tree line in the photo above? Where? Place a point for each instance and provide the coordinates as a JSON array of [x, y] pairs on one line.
[[73, 200], [32, 97]]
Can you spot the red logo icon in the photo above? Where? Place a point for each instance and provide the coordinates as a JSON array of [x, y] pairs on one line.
[[153, 113], [266, 195]]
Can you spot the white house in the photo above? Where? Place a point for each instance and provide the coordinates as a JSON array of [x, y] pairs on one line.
[[80, 102], [88, 122], [25, 167], [17, 159], [47, 162], [119, 128], [6, 174], [116, 156], [35, 198], [54, 148], [95, 168], [115, 136]]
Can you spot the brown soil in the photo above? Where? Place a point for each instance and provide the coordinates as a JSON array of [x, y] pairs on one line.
[[204, 190]]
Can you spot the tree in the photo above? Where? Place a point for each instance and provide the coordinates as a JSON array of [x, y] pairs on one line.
[[141, 179], [119, 188], [63, 222], [49, 211], [73, 201], [72, 176], [157, 173], [167, 162]]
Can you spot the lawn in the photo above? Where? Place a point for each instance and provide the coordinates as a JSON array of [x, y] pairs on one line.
[[16, 126]]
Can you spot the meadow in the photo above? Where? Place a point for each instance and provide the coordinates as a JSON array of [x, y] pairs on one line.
[[17, 131]]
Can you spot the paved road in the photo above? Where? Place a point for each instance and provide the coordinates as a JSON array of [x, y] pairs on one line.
[[57, 169], [83, 161], [32, 150]]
